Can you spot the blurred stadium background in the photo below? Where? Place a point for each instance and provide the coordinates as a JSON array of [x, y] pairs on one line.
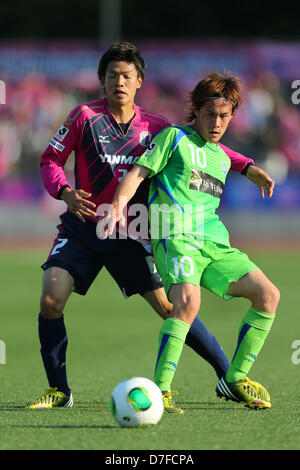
[[48, 61]]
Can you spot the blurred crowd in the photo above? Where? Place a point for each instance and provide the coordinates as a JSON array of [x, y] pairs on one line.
[[265, 128]]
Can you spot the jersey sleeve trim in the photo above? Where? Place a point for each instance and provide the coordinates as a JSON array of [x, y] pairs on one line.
[[182, 133]]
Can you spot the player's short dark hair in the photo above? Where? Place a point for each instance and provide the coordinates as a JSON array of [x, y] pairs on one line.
[[213, 86], [122, 52]]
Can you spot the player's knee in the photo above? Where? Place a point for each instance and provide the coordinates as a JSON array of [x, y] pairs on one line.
[[51, 307], [187, 310], [268, 298], [275, 296]]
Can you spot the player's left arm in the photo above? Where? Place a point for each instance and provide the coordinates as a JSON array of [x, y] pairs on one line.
[[263, 181], [239, 162], [245, 166]]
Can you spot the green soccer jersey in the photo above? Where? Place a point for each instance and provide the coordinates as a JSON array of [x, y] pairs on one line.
[[188, 176]]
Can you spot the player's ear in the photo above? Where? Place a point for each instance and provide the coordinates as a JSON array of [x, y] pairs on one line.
[[102, 82], [139, 84], [233, 113], [195, 109]]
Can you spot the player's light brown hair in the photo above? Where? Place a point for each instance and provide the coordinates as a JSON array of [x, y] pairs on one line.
[[213, 86], [122, 52]]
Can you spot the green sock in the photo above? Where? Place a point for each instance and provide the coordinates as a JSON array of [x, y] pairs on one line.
[[171, 339], [253, 331]]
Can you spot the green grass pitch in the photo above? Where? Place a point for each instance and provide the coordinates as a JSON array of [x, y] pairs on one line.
[[111, 338]]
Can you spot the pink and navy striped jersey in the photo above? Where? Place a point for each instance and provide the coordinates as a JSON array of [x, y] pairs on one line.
[[104, 153]]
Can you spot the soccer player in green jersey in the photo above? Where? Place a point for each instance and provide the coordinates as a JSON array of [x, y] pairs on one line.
[[188, 170]]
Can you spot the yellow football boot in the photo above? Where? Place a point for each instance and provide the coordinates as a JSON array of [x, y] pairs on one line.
[[51, 398], [249, 393], [169, 404]]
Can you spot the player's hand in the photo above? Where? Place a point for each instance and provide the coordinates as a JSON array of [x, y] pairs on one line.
[[76, 200], [108, 220], [262, 180], [106, 223]]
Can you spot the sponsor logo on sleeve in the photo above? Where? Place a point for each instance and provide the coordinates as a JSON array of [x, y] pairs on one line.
[[145, 138], [57, 145], [61, 133], [151, 148]]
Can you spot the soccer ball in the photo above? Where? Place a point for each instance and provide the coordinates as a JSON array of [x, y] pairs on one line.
[[137, 402]]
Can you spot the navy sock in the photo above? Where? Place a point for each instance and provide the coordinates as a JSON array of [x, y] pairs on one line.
[[54, 341], [207, 346]]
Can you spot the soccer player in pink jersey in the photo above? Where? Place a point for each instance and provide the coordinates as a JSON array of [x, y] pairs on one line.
[[108, 135]]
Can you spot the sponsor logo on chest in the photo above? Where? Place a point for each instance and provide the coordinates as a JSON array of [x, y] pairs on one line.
[[119, 159], [206, 183]]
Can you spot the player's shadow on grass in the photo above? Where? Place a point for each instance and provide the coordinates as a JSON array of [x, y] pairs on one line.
[[6, 407], [63, 426], [78, 407], [216, 406]]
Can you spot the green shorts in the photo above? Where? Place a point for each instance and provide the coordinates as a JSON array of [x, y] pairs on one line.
[[212, 266]]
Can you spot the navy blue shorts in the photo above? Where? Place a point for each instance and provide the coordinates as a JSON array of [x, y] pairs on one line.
[[78, 250]]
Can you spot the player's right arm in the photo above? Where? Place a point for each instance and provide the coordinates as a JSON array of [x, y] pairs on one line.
[[129, 185], [124, 193], [52, 168]]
